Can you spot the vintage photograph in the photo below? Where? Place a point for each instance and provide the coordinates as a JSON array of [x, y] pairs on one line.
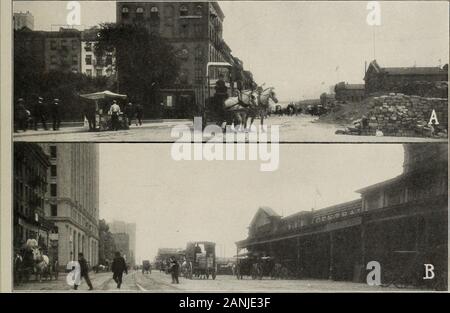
[[127, 217], [104, 71]]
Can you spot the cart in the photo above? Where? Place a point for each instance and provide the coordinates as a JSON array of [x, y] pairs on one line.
[[213, 112], [97, 110], [146, 267], [200, 260]]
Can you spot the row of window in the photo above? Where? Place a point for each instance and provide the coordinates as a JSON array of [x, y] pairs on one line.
[[55, 60], [108, 60], [154, 11], [64, 44]]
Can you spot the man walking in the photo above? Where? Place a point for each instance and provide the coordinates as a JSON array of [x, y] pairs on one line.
[[84, 271], [129, 110], [174, 270], [139, 114], [114, 111], [118, 267], [56, 114], [39, 113]]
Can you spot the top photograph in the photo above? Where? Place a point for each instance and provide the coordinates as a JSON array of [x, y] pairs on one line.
[[230, 71]]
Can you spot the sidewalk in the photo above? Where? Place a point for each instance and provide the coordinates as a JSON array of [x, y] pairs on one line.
[[98, 280], [84, 129]]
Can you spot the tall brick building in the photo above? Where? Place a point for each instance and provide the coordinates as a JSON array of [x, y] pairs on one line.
[[30, 187], [72, 201], [120, 227], [195, 31]]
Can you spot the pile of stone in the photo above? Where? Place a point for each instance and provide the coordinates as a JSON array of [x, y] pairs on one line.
[[402, 115]]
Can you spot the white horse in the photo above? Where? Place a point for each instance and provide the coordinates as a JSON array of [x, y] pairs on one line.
[[250, 104], [42, 265], [262, 107]]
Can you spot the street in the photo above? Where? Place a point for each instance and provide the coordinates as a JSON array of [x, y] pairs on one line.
[[302, 128], [160, 282]]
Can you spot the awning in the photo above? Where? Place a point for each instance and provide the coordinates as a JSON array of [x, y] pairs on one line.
[[103, 95]]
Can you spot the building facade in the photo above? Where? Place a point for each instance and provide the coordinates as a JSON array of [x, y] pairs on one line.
[[120, 227], [400, 223], [72, 201], [22, 20], [52, 50], [349, 92], [195, 30], [402, 79], [30, 187], [91, 64]]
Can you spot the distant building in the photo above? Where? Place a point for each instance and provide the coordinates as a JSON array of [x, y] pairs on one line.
[[122, 242], [72, 200], [396, 79], [118, 227], [91, 65], [394, 221], [51, 50], [22, 20], [30, 187], [349, 92]]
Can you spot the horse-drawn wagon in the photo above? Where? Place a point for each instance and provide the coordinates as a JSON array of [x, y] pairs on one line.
[[225, 104], [200, 260], [146, 267]]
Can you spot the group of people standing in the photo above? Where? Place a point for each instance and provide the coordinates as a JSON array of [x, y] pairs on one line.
[[29, 116], [130, 111]]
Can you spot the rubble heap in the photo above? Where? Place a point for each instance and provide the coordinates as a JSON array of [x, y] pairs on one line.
[[402, 115]]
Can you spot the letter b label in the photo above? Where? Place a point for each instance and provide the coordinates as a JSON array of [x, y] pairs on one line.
[[429, 271]]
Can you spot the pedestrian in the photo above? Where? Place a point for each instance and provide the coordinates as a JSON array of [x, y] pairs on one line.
[[55, 110], [20, 116], [139, 114], [84, 271], [39, 113], [174, 270], [118, 267], [114, 111], [129, 112]]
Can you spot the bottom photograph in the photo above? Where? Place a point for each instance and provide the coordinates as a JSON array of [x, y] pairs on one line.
[[134, 218]]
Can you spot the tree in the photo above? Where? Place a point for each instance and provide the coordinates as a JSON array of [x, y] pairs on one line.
[[144, 61], [106, 244]]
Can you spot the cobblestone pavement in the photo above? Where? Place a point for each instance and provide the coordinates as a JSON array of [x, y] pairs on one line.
[[302, 128]]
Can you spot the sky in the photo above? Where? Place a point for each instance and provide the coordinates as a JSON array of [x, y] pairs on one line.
[[303, 48], [173, 202]]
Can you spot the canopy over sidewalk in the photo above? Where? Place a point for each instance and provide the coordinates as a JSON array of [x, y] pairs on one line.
[[103, 95]]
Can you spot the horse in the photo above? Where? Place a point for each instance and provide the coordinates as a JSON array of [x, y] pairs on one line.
[[262, 107], [41, 265], [247, 104]]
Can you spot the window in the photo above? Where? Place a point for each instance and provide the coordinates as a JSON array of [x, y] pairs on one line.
[[53, 60], [139, 13], [198, 75], [74, 44], [198, 30], [53, 151], [154, 13], [88, 59], [125, 12], [53, 170], [74, 60], [183, 11], [198, 54], [99, 72], [53, 45], [89, 72], [64, 44], [53, 192], [108, 60], [54, 210], [184, 30], [88, 46], [198, 10]]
